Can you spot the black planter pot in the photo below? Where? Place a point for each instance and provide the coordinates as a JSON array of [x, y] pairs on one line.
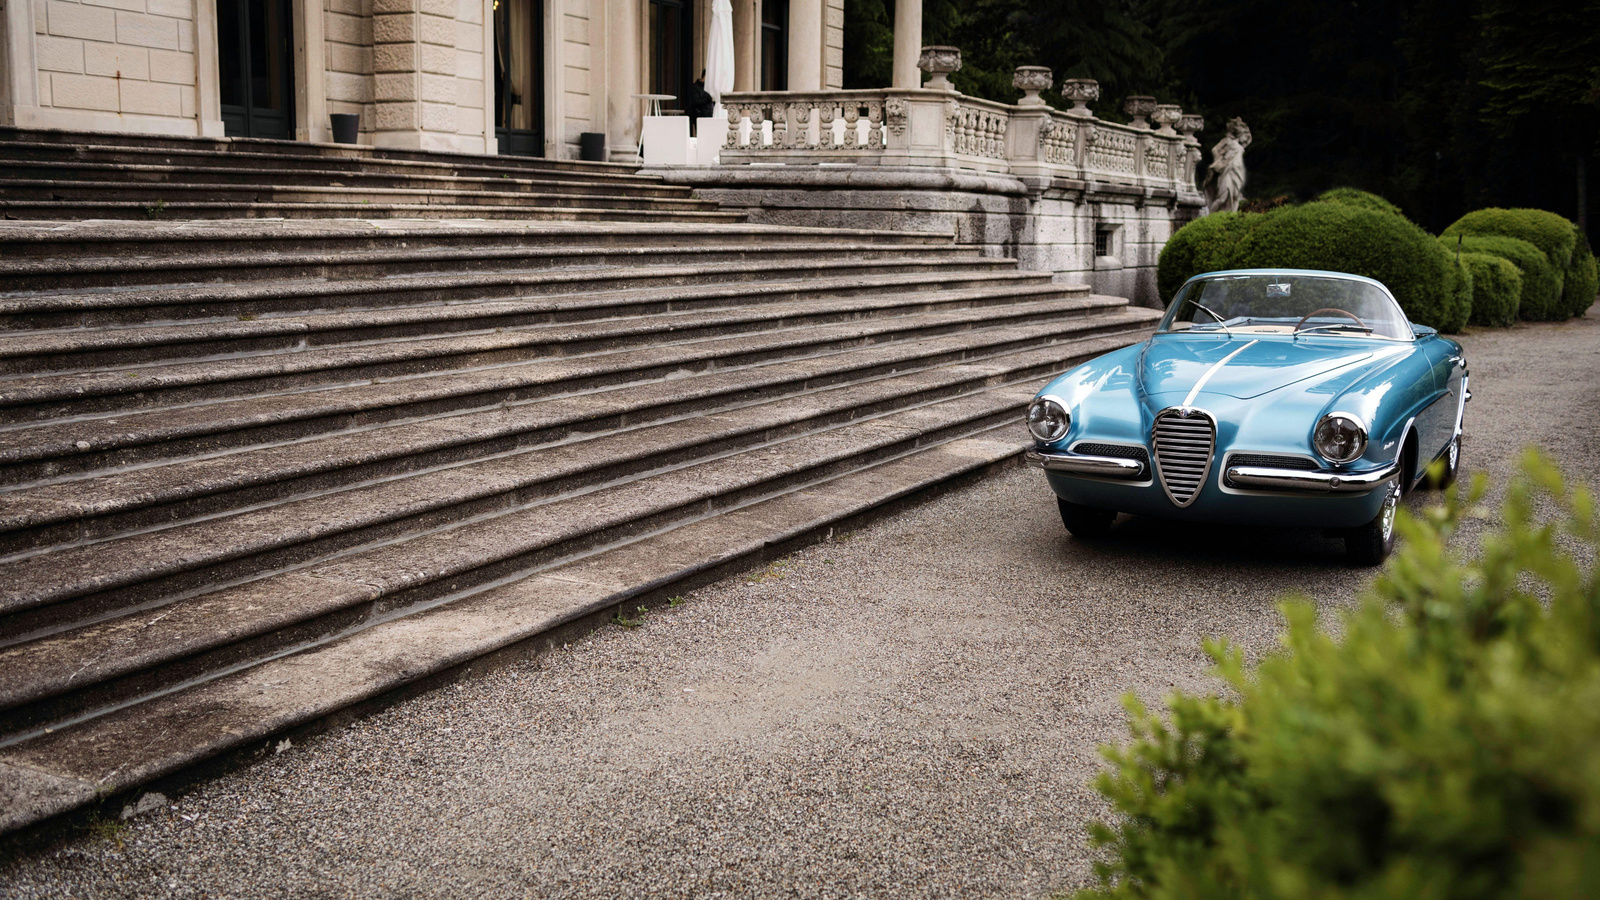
[[345, 127], [592, 146]]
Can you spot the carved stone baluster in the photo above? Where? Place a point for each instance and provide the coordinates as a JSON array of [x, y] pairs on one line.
[[826, 112], [875, 123]]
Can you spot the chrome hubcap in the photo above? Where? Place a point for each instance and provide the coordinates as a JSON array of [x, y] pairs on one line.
[[1389, 506], [1455, 453]]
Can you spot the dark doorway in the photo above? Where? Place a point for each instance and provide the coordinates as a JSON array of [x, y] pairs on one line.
[[519, 76], [671, 49], [774, 45], [255, 56]]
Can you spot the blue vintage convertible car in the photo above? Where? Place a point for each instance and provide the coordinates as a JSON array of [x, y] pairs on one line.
[[1267, 397]]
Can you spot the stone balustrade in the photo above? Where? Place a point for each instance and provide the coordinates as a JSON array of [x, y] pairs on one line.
[[945, 129]]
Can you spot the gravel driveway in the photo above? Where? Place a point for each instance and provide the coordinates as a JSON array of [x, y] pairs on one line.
[[912, 710]]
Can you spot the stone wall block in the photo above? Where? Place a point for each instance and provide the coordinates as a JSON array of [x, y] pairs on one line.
[[469, 36], [393, 7], [397, 117], [347, 7], [185, 36], [41, 17], [401, 86], [439, 89], [438, 30], [187, 93], [59, 54], [469, 11], [130, 5], [576, 29], [438, 60], [350, 58], [444, 9], [438, 117], [469, 121], [172, 9], [119, 61], [75, 20], [578, 82], [172, 67], [344, 29], [147, 31], [349, 87], [84, 92], [835, 17], [394, 29], [151, 99], [469, 93], [394, 58]]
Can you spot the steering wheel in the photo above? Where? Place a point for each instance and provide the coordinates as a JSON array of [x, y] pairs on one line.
[[1343, 312]]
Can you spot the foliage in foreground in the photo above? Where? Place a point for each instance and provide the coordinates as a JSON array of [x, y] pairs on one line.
[[1448, 746]]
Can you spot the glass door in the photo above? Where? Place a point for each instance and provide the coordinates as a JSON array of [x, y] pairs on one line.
[[519, 76], [256, 61]]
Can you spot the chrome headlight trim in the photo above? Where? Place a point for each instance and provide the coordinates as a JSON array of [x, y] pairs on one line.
[[1048, 419], [1363, 434]]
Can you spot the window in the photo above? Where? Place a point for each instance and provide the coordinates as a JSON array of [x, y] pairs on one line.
[[1104, 241], [671, 49], [774, 45]]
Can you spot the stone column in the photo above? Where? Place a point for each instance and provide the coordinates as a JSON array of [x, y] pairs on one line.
[[805, 45], [310, 63], [19, 80], [746, 43], [623, 79], [907, 44]]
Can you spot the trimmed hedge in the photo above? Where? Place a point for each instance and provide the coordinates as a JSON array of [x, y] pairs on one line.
[[1356, 197], [1582, 282], [1541, 289], [1431, 288], [1496, 288], [1440, 742], [1551, 233]]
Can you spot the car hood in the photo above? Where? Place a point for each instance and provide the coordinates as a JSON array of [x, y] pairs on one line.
[[1173, 366]]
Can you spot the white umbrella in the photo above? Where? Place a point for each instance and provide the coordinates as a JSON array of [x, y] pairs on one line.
[[719, 51]]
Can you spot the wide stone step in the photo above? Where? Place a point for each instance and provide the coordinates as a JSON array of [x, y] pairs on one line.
[[411, 177], [663, 279], [505, 518], [244, 209], [725, 310], [28, 399], [653, 380], [72, 766]]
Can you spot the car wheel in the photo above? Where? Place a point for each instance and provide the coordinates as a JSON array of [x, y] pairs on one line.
[[1085, 522], [1372, 543], [1452, 466]]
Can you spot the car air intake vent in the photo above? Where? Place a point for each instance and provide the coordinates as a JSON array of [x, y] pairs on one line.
[[1117, 451], [1272, 462], [1183, 445]]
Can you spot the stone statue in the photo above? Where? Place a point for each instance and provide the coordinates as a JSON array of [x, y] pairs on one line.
[[1224, 185]]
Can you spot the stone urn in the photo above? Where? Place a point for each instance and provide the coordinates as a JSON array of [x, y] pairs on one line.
[[1082, 92], [1191, 125], [1030, 80], [1166, 116], [1140, 108], [940, 62]]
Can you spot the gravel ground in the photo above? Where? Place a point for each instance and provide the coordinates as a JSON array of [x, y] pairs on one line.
[[912, 710]]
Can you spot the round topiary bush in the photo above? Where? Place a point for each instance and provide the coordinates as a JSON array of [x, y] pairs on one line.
[[1496, 288], [1541, 290], [1203, 245], [1582, 282], [1554, 235], [1355, 197], [1411, 263]]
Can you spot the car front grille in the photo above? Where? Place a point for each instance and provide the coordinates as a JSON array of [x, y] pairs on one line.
[[1268, 461], [1118, 451], [1183, 446]]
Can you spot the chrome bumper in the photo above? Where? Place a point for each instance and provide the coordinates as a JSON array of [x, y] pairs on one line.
[[1080, 464], [1296, 480]]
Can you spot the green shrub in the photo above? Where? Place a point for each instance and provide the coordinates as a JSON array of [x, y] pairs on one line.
[[1541, 291], [1496, 288], [1355, 197], [1582, 282], [1366, 242], [1201, 240], [1552, 234], [1446, 746]]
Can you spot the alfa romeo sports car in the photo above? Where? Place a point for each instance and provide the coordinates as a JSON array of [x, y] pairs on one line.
[[1266, 397]]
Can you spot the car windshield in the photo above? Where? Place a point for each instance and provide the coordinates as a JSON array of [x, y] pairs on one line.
[[1286, 303]]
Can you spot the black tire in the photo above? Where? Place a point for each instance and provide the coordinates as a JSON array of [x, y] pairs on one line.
[[1085, 522], [1372, 543], [1452, 467]]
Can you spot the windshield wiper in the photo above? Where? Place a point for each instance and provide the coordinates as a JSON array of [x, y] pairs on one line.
[[1213, 314], [1345, 326]]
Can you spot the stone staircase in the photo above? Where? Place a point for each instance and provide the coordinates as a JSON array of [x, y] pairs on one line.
[[80, 175], [256, 472]]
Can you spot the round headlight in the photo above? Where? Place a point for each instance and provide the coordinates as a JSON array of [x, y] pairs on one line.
[[1340, 437], [1047, 420]]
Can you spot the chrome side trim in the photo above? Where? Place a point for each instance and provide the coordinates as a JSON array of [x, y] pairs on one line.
[[1322, 482], [1080, 464]]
